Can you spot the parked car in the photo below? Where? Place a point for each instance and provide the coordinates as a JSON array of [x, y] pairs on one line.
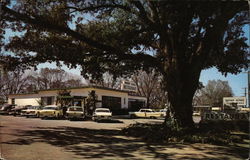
[[17, 110], [74, 112], [6, 108], [163, 112], [196, 113], [101, 114], [32, 111], [51, 111], [145, 113]]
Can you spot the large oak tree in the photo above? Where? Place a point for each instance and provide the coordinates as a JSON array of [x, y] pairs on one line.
[[176, 38]]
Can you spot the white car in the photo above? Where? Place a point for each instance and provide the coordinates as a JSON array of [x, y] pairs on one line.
[[31, 111], [101, 113], [74, 112], [145, 113], [163, 112], [196, 113]]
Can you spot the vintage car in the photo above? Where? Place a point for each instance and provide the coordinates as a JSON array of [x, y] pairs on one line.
[[32, 111], [6, 108], [196, 113], [17, 110], [74, 112], [51, 111], [163, 112], [101, 114], [145, 113]]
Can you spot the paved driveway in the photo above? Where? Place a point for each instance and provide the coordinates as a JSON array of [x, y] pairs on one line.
[[35, 139]]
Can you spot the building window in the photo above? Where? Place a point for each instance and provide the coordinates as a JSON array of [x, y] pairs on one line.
[[113, 103], [13, 101], [47, 100], [124, 100]]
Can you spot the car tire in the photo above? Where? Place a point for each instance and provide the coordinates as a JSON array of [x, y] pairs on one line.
[[132, 116], [27, 116]]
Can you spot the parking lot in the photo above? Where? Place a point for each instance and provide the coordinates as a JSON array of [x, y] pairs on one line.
[[36, 139]]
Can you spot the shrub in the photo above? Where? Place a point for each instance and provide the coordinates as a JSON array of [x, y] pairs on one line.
[[214, 132]]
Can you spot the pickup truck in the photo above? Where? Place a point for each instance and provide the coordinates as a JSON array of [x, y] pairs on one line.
[[145, 113]]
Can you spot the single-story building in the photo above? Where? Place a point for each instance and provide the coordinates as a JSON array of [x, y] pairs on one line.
[[109, 98]]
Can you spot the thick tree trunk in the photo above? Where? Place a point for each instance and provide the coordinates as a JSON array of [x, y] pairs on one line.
[[181, 84]]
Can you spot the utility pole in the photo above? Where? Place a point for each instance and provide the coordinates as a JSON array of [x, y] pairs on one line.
[[245, 91], [248, 88]]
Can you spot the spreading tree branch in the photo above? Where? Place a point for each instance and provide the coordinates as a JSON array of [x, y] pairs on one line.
[[41, 22]]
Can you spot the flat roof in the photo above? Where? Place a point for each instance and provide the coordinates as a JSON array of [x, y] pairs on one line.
[[82, 87], [23, 93]]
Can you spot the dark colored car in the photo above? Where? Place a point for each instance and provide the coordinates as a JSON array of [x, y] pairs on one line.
[[6, 108], [17, 110]]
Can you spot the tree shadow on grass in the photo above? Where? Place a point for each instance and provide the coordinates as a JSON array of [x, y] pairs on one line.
[[91, 143]]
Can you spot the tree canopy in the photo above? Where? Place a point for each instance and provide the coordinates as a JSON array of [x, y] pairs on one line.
[[176, 38]]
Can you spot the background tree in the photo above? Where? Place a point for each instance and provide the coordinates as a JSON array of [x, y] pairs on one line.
[[48, 78], [91, 101], [13, 83], [18, 81], [149, 85], [213, 93], [178, 39], [107, 80]]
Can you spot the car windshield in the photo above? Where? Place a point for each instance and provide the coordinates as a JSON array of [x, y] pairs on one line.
[[75, 109], [50, 108], [102, 110], [146, 110]]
